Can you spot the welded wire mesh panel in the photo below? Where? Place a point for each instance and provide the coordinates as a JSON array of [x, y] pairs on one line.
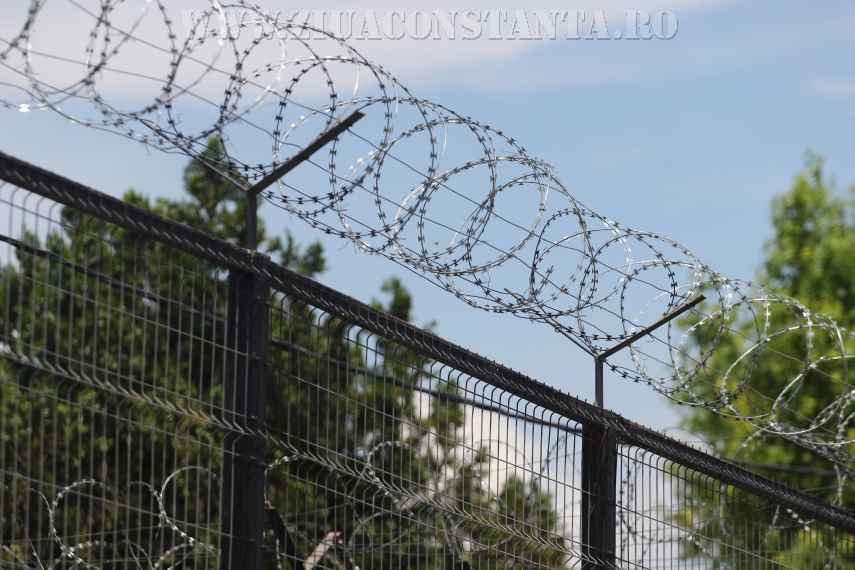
[[383, 458], [111, 374], [161, 411], [671, 516]]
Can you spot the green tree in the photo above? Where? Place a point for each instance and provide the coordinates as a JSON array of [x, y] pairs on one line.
[[810, 257]]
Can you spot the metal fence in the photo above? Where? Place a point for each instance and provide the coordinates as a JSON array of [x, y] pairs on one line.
[[170, 400]]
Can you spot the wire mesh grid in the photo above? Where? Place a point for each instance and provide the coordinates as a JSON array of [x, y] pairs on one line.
[[397, 460], [121, 431], [668, 515], [112, 420], [386, 458]]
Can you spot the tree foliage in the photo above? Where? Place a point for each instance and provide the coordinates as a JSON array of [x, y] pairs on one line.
[[810, 257]]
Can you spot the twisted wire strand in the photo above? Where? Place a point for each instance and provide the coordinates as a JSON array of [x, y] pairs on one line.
[[456, 201]]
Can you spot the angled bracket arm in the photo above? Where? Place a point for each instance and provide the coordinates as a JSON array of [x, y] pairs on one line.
[[601, 357], [285, 168], [307, 152]]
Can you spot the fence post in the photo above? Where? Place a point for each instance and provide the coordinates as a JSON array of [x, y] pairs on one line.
[[244, 446], [598, 484], [598, 497]]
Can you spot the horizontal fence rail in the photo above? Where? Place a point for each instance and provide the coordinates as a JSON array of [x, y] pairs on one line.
[[173, 400]]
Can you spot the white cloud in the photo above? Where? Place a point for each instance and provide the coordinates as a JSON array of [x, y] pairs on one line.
[[835, 87], [63, 29]]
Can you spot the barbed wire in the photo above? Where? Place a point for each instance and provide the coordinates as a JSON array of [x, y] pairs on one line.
[[83, 543], [456, 201], [145, 533]]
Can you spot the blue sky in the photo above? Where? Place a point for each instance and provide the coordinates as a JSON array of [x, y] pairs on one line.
[[689, 138]]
